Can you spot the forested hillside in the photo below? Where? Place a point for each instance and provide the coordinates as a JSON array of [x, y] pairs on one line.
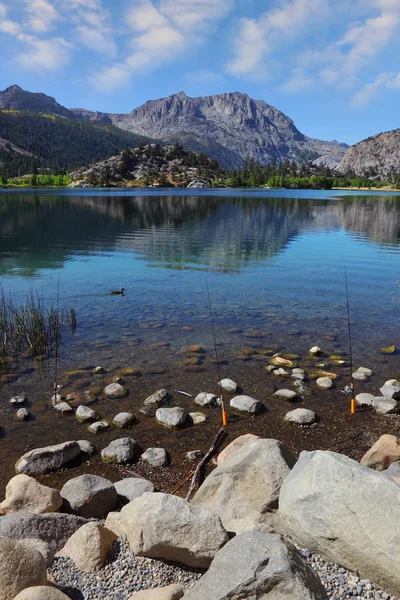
[[30, 141]]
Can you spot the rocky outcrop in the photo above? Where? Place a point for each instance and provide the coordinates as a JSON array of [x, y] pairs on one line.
[[15, 98], [244, 490], [25, 493], [258, 565], [383, 453], [345, 512], [20, 567], [377, 155], [169, 528], [53, 528]]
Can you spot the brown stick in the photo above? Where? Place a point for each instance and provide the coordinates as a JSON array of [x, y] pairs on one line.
[[202, 463], [183, 483]]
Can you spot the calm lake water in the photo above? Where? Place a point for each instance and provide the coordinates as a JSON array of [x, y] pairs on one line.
[[274, 262]]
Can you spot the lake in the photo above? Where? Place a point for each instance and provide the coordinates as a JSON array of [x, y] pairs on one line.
[[274, 262]]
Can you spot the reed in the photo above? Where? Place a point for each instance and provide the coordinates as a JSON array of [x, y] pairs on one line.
[[31, 329]]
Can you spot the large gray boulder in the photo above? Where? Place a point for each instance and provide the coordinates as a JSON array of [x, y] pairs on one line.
[[53, 528], [167, 527], [50, 458], [41, 592], [132, 487], [89, 496], [89, 546], [260, 566], [246, 404], [20, 567], [347, 513], [244, 490]]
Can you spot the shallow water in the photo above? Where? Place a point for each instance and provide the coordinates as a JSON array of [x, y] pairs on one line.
[[274, 262]]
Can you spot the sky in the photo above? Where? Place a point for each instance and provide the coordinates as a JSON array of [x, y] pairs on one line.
[[333, 66]]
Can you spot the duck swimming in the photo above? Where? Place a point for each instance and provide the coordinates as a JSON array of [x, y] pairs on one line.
[[115, 292]]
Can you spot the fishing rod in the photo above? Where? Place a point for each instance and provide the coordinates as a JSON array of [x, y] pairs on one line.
[[353, 400], [224, 414]]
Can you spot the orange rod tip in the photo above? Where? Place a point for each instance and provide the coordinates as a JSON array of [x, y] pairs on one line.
[[224, 419], [353, 407]]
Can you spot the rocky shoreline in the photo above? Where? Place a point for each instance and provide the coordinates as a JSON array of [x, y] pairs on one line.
[[262, 524]]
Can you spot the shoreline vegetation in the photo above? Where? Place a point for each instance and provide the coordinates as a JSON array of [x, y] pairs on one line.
[[156, 166]]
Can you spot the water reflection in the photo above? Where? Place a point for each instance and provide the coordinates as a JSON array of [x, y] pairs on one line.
[[225, 233]]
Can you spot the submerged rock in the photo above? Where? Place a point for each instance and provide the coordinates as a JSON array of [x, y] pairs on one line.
[[246, 404], [171, 417], [124, 419], [301, 416], [286, 395], [18, 400], [115, 390], [156, 398], [120, 451], [206, 399], [325, 383], [385, 405], [47, 459], [156, 457], [228, 385]]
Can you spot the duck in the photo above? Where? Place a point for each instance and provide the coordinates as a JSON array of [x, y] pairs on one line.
[[115, 292]]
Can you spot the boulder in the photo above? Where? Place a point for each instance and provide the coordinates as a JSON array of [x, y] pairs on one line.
[[41, 592], [156, 398], [124, 419], [169, 592], [301, 416], [206, 399], [20, 567], [228, 385], [324, 383], [25, 493], [87, 447], [53, 528], [383, 453], [121, 451], [89, 496], [384, 405], [345, 512], [394, 470], [114, 523], [115, 391], [132, 487], [155, 457], [48, 459], [238, 443], [258, 565], [171, 417], [167, 527], [42, 547], [89, 546], [246, 404], [244, 490], [391, 390], [84, 414], [365, 399], [286, 395], [99, 426]]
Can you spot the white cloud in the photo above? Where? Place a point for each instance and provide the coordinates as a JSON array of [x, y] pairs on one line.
[[100, 40], [370, 91], [42, 15], [45, 55], [205, 76], [159, 35], [3, 11], [259, 38], [299, 81]]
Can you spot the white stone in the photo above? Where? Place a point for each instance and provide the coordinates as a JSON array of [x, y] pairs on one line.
[[280, 372], [121, 451], [206, 399], [286, 395], [63, 407], [324, 382], [48, 459], [391, 391], [384, 405], [124, 419], [315, 351], [156, 398], [18, 400], [99, 426], [365, 399], [198, 417], [171, 417], [115, 390], [84, 413], [25, 493], [88, 547], [156, 457], [301, 416], [228, 385], [132, 487], [246, 404]]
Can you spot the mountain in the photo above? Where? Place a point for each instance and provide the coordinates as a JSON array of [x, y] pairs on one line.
[[55, 143], [376, 156], [15, 98], [228, 127]]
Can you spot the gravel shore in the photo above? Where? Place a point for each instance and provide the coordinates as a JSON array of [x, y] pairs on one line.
[[124, 574]]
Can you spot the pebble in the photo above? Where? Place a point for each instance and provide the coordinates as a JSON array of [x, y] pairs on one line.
[[122, 575], [340, 584]]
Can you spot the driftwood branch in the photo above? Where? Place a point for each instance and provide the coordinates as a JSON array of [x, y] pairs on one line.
[[203, 462]]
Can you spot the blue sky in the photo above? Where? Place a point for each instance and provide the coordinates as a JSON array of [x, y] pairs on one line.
[[331, 65]]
